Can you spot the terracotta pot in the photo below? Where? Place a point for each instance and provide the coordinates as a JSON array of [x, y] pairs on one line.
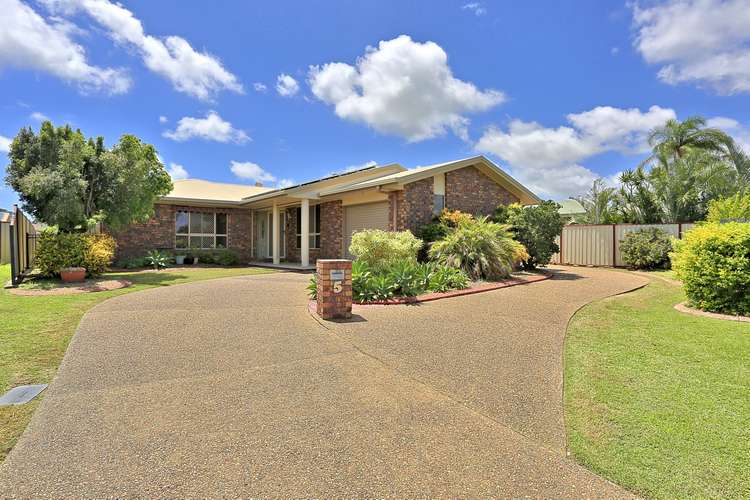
[[73, 274]]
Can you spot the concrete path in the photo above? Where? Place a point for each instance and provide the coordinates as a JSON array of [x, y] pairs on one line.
[[230, 388]]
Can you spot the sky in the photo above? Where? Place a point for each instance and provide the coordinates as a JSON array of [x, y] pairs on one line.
[[556, 93]]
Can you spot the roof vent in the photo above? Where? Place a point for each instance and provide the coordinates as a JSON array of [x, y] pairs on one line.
[[258, 184]]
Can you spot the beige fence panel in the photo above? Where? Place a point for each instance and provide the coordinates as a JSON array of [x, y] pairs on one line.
[[599, 244], [4, 242], [587, 245]]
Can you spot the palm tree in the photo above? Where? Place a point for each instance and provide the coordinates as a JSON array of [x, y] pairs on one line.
[[636, 202], [599, 204], [674, 139]]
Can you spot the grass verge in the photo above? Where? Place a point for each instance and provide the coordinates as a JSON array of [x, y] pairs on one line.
[[659, 401], [35, 331]]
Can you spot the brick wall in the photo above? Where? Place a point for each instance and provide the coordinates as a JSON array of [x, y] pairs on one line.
[[469, 190], [417, 205], [159, 232], [396, 204], [331, 233]]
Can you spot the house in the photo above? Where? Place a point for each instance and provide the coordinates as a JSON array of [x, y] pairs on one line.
[[302, 223], [570, 209]]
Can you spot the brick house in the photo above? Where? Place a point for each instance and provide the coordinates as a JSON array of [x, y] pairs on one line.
[[302, 223]]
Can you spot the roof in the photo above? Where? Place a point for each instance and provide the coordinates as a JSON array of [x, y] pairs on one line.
[[571, 207], [200, 190], [418, 173]]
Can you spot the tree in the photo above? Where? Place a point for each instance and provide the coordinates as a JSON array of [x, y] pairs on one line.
[[675, 139], [635, 201], [600, 204], [536, 228], [62, 179]]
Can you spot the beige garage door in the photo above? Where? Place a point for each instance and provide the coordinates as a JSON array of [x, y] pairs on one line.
[[367, 216]]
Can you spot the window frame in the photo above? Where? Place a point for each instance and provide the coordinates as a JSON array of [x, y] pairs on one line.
[[314, 227], [189, 234]]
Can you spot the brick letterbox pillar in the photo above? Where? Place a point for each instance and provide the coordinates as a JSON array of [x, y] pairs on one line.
[[334, 288]]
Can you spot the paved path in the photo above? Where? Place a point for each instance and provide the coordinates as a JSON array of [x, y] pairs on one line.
[[230, 388]]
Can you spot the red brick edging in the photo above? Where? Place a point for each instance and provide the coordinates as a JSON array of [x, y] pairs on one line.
[[428, 297]]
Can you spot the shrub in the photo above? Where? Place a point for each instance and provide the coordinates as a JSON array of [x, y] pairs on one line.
[[439, 228], [157, 259], [220, 256], [482, 249], [132, 263], [399, 279], [379, 248], [535, 227], [646, 248], [734, 207], [56, 251], [713, 262]]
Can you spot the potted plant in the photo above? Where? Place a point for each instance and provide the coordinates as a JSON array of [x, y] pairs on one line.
[[179, 259], [73, 274]]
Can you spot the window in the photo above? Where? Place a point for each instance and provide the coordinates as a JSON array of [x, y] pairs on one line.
[[200, 230], [314, 227]]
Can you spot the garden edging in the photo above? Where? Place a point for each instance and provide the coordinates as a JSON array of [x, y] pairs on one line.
[[684, 308], [429, 297]]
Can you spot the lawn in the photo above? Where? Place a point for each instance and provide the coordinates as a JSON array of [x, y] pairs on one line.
[[659, 401], [35, 331]]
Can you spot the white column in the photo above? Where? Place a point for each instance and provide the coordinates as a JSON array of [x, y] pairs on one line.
[[276, 232], [305, 232]]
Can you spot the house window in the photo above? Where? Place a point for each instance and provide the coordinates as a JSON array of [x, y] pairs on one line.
[[200, 230], [314, 227]]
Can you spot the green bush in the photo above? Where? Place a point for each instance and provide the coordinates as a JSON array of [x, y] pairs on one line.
[[482, 249], [220, 256], [380, 248], [398, 279], [535, 228], [56, 251], [713, 263], [132, 263], [734, 207], [646, 248], [439, 228]]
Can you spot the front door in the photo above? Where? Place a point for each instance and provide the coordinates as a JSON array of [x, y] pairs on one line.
[[261, 231]]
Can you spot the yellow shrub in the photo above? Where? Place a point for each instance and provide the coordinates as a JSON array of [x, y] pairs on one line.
[[56, 251], [99, 250]]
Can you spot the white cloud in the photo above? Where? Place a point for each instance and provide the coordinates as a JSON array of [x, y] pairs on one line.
[[286, 86], [250, 171], [705, 42], [177, 172], [195, 73], [163, 119], [260, 87], [614, 51], [548, 160], [403, 88], [210, 128], [5, 144], [476, 7], [27, 40], [739, 133], [37, 116]]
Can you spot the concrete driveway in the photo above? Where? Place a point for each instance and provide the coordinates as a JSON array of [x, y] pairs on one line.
[[231, 388]]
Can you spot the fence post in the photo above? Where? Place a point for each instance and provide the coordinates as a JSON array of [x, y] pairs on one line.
[[614, 245], [13, 250], [679, 230], [561, 246]]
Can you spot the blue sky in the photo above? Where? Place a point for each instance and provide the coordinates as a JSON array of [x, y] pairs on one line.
[[557, 93]]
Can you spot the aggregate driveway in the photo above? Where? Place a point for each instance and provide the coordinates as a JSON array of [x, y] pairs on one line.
[[231, 388]]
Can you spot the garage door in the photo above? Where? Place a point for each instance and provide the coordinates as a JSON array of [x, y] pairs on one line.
[[367, 216]]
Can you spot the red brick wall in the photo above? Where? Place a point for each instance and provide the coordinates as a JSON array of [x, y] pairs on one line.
[[396, 204], [159, 232], [416, 209], [469, 190]]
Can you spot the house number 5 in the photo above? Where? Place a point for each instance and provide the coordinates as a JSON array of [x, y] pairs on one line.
[[337, 287]]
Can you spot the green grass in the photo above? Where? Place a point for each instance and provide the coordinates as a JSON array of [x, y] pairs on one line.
[[659, 401], [35, 331]]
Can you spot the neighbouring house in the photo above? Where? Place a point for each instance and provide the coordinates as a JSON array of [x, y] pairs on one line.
[[570, 209], [302, 223]]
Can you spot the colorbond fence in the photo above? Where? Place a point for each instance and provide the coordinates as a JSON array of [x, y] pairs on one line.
[[599, 244], [22, 242], [4, 240]]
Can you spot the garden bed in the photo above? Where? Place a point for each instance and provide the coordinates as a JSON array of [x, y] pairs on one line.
[[683, 307], [56, 287], [475, 287]]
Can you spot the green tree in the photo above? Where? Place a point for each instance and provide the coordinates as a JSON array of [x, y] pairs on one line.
[[536, 228], [675, 139], [635, 201], [600, 203], [63, 179]]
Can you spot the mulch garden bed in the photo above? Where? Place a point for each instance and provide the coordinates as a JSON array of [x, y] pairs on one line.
[[60, 288], [684, 308]]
